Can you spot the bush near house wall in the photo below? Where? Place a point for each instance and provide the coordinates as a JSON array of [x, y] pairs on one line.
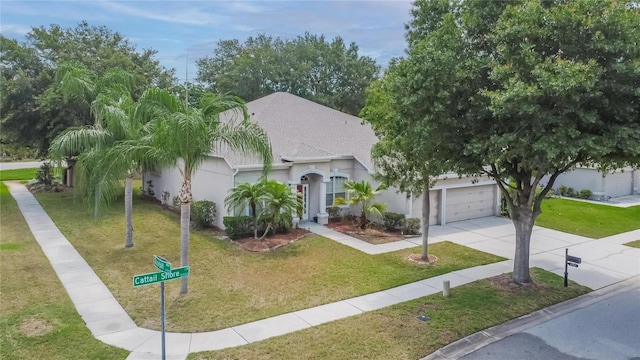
[[393, 221], [238, 227], [411, 226], [203, 213]]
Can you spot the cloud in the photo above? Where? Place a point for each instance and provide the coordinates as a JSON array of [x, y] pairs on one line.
[[172, 12], [11, 30]]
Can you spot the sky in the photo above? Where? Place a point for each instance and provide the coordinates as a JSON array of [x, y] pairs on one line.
[[183, 31]]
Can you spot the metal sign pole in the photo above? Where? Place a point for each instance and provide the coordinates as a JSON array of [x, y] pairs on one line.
[[566, 269], [162, 317]]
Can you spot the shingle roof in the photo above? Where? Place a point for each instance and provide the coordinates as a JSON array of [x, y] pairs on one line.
[[302, 129]]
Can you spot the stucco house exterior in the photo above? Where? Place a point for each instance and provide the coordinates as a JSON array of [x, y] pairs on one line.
[[315, 150], [603, 185]]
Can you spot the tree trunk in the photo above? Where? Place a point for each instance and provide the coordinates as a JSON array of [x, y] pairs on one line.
[[523, 223], [96, 201], [128, 207], [185, 216], [363, 219], [426, 212]]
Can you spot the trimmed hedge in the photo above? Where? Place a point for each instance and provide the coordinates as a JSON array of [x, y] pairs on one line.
[[393, 221], [203, 213], [412, 226], [238, 227]]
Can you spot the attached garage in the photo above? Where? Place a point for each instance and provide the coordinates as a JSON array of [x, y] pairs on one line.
[[471, 202]]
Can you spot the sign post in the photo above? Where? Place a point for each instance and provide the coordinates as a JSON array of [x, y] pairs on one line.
[[572, 261], [166, 273]]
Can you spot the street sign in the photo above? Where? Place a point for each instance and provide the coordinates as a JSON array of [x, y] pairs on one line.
[[160, 276], [166, 273], [572, 264], [161, 263]]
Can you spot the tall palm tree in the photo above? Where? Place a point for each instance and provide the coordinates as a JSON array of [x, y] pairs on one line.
[[184, 137], [247, 194], [280, 204], [112, 107], [361, 193]]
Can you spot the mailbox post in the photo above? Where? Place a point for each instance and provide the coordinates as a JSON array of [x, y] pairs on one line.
[[572, 261]]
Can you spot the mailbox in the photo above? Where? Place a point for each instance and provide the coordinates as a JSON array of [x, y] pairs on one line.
[[574, 259]]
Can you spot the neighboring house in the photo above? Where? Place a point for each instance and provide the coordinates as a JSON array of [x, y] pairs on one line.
[[316, 149], [620, 182]]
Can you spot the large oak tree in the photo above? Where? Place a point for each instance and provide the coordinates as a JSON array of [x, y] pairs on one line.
[[524, 89], [327, 72]]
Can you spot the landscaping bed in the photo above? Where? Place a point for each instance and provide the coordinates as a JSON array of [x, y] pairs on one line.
[[373, 233]]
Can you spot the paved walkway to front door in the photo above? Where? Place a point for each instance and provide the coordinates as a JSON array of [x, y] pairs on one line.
[[605, 262]]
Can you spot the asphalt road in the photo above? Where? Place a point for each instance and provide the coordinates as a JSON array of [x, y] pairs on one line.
[[608, 329]]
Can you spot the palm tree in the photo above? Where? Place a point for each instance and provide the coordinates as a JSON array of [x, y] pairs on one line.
[[361, 193], [280, 204], [247, 194], [112, 107], [184, 137]]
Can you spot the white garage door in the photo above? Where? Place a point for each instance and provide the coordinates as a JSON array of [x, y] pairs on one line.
[[470, 202]]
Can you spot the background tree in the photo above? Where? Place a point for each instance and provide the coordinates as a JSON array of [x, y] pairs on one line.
[[184, 137], [526, 89], [309, 66], [362, 194], [113, 109], [33, 110], [247, 194]]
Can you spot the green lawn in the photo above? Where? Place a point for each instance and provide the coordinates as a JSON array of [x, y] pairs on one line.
[[635, 244], [230, 286], [395, 332], [587, 219], [18, 174], [37, 318]]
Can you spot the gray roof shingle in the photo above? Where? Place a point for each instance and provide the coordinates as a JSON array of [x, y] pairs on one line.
[[302, 129]]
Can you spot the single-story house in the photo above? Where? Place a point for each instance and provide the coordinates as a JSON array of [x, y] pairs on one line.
[[603, 185], [316, 149]]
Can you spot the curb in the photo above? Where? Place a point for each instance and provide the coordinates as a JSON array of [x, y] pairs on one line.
[[488, 336]]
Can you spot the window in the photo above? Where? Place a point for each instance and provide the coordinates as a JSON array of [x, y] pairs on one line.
[[335, 189]]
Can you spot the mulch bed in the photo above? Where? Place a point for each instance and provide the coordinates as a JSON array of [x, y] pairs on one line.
[[272, 242], [373, 235], [504, 282]]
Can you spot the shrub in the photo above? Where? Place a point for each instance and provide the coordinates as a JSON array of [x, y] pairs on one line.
[[563, 190], [550, 194], [584, 194], [411, 226], [393, 221], [203, 213], [571, 192], [237, 227], [335, 213], [45, 174]]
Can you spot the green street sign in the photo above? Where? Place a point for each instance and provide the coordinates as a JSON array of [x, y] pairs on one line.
[[161, 276], [161, 263]]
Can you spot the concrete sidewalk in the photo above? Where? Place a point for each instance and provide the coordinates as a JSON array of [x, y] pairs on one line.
[[604, 263]]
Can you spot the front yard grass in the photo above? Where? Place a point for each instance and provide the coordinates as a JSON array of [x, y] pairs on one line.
[[18, 174], [395, 332], [635, 244], [229, 286], [37, 318], [587, 219]]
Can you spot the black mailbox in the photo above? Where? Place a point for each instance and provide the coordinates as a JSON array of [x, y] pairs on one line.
[[574, 259]]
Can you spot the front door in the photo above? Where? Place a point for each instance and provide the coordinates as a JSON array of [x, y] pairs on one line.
[[304, 189]]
